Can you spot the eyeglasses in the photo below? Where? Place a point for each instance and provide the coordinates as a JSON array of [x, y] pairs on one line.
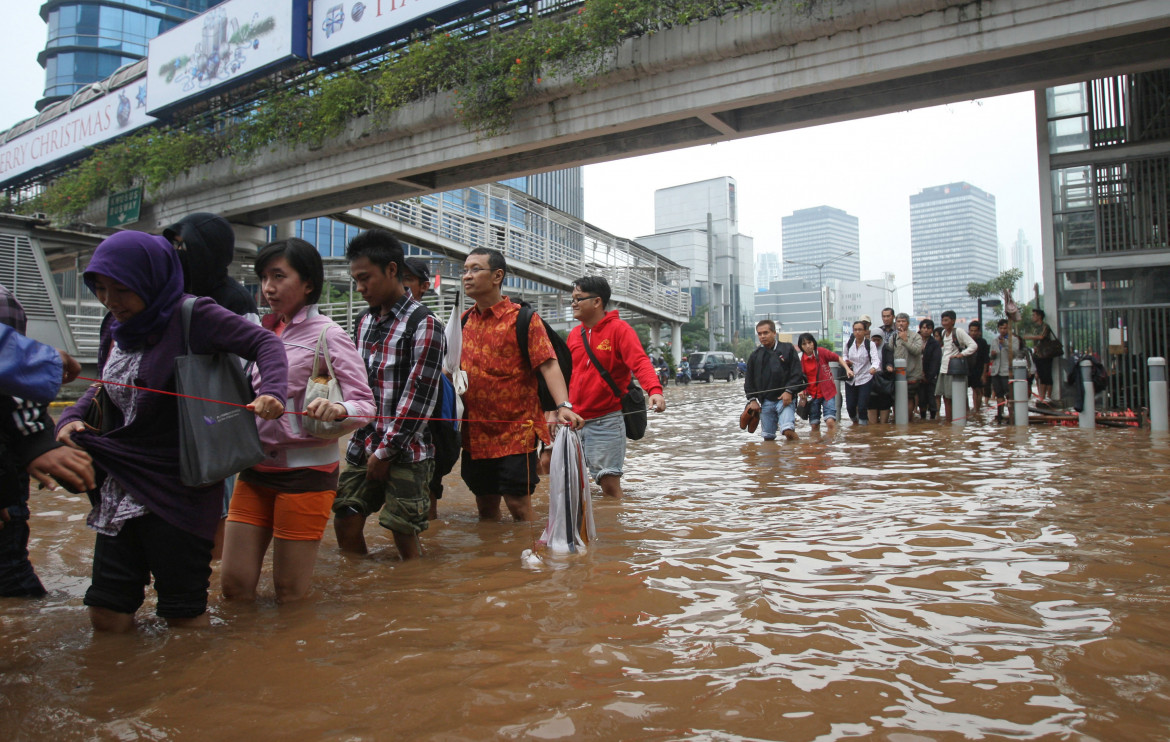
[[474, 269], [578, 299]]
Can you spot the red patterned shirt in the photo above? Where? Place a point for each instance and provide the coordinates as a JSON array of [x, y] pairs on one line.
[[499, 388]]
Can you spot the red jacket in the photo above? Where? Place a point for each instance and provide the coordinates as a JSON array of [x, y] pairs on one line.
[[617, 347], [820, 379]]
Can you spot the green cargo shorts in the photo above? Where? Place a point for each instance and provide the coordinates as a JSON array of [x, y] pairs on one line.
[[403, 499]]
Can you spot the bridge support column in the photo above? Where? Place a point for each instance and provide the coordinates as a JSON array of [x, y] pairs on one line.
[[655, 335], [676, 349], [285, 230]]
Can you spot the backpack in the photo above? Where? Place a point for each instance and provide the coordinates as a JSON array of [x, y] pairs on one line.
[[560, 348]]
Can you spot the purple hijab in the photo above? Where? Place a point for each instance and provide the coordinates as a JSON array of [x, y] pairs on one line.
[[149, 266]]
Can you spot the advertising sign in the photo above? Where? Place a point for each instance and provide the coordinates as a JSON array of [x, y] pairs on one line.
[[224, 46], [345, 26], [115, 113]]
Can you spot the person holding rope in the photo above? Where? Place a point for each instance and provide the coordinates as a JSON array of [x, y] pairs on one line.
[[390, 462], [148, 523], [504, 416], [612, 344], [286, 499], [774, 378]]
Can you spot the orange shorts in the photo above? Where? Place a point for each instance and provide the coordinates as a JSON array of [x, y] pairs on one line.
[[301, 516]]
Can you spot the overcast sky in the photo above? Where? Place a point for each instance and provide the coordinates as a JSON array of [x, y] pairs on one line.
[[869, 167]]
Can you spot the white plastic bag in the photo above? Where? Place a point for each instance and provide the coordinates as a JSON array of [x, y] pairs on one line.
[[570, 509], [323, 387]]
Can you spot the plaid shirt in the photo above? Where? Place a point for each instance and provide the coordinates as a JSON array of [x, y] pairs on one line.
[[11, 313], [404, 379]]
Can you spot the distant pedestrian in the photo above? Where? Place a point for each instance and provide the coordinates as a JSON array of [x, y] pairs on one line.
[[821, 392], [888, 326], [977, 377], [881, 399], [1043, 365], [931, 364], [957, 344], [1002, 352], [907, 345], [774, 378], [863, 359]]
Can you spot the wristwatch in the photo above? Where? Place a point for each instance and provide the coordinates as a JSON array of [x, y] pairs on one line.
[[566, 404]]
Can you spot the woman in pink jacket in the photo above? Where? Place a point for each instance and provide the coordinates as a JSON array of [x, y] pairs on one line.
[[289, 496]]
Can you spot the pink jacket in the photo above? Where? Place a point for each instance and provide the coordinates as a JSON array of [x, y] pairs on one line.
[[287, 446]]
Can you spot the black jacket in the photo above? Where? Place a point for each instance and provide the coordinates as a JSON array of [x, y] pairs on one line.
[[209, 248], [931, 359], [773, 371]]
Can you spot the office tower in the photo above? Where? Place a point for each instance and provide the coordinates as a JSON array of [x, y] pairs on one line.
[[722, 267], [560, 189], [767, 270], [952, 243], [1021, 258], [821, 236], [89, 39]]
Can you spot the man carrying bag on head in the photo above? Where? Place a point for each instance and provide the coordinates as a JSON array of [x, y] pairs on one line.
[[604, 342]]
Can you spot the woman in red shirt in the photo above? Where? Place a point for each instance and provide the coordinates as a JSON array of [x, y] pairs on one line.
[[821, 392]]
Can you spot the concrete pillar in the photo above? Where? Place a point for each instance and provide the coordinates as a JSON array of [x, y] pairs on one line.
[[1088, 418], [901, 392], [676, 349], [655, 335], [958, 371], [285, 230], [1158, 411], [838, 372], [1020, 392]]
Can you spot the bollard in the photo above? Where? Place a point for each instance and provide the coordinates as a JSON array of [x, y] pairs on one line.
[[838, 372], [1159, 415], [957, 368], [901, 393], [1020, 392], [1088, 418]]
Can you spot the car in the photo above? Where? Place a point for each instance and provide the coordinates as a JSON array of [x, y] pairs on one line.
[[713, 364]]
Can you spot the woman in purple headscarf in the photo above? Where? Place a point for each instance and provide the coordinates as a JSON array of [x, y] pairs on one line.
[[148, 523]]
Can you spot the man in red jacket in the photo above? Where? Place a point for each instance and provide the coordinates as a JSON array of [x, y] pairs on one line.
[[615, 346]]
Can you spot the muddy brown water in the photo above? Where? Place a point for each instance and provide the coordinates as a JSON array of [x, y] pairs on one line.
[[926, 583]]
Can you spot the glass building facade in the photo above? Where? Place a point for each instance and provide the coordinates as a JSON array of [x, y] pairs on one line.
[[89, 39], [953, 242], [821, 236], [1105, 182]]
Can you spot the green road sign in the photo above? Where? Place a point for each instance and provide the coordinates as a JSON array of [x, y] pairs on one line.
[[123, 207]]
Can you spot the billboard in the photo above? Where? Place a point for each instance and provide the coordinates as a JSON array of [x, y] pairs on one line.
[[345, 26], [115, 113], [224, 46]]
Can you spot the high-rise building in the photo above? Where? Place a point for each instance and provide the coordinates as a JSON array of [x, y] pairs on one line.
[[721, 259], [823, 236], [952, 243], [1021, 258], [560, 189], [89, 39], [767, 270]]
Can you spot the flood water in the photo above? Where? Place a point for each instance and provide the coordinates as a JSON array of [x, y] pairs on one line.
[[925, 583]]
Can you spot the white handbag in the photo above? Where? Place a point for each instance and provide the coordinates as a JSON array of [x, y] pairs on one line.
[[322, 387]]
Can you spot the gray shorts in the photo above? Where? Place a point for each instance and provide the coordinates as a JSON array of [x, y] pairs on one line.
[[604, 441]]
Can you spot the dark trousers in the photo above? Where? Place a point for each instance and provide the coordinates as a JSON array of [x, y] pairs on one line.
[[17, 578], [927, 407]]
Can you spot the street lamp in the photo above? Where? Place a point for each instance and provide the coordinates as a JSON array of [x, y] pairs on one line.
[[821, 282], [890, 291], [986, 303]]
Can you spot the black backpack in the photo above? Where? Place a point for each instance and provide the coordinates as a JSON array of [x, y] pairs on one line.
[[560, 348]]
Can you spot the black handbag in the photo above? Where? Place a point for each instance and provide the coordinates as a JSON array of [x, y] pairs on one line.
[[634, 413], [215, 440]]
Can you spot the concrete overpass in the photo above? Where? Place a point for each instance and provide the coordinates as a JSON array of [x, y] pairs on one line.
[[718, 80]]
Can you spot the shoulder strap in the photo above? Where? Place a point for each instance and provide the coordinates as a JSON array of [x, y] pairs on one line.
[[188, 308], [600, 369], [322, 350], [523, 322]]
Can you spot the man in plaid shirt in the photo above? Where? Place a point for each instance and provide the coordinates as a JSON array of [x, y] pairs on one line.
[[390, 461]]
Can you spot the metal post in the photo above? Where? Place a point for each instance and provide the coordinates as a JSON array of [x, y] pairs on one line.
[[1158, 410], [838, 372], [1020, 392], [1088, 417], [958, 372], [901, 392]]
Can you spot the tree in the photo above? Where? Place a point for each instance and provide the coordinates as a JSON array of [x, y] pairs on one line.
[[999, 286], [694, 332]]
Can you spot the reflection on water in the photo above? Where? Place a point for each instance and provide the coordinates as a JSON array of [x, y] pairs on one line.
[[902, 584]]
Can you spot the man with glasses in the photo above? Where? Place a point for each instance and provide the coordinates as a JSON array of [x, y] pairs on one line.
[[504, 417], [605, 339]]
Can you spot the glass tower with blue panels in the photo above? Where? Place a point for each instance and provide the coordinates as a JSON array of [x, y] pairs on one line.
[[90, 39]]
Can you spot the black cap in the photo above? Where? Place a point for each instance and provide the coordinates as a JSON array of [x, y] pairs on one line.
[[418, 268]]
